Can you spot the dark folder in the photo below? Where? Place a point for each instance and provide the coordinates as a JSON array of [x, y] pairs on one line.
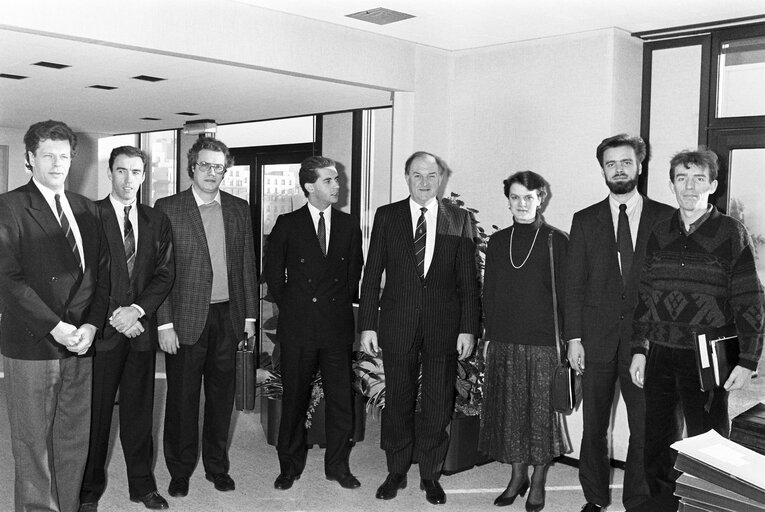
[[716, 356], [245, 374]]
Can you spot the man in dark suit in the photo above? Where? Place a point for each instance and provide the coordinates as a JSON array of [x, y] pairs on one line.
[[213, 301], [312, 267], [54, 291], [606, 252], [141, 274], [428, 315]]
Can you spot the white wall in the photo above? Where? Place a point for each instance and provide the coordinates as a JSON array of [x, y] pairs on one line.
[[544, 106], [17, 173]]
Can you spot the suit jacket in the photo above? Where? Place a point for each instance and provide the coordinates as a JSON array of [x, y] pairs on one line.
[[444, 304], [599, 307], [314, 293], [188, 303], [153, 272], [41, 282]]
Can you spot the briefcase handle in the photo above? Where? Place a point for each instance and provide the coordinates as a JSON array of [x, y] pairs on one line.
[[249, 342]]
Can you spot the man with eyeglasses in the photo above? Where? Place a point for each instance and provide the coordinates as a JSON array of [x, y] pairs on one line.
[[606, 251], [213, 301]]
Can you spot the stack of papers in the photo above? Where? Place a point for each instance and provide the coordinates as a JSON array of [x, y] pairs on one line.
[[719, 475], [748, 429]]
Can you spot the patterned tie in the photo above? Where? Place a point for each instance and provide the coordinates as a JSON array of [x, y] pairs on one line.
[[322, 234], [129, 240], [624, 241], [67, 229], [420, 235]]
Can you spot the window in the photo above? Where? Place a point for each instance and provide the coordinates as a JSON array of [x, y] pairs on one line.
[[741, 77]]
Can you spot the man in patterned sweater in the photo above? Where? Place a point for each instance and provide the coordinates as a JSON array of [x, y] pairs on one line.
[[699, 274]]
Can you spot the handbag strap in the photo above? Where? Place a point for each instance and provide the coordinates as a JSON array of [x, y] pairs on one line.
[[554, 295]]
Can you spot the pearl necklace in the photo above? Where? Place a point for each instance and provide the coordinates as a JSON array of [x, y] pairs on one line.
[[512, 232]]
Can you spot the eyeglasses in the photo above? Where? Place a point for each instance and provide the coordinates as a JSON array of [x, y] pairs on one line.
[[218, 169]]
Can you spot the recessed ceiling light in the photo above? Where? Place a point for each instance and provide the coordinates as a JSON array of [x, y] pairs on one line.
[[187, 113], [13, 77], [149, 78], [52, 65], [380, 16], [103, 87], [151, 119]]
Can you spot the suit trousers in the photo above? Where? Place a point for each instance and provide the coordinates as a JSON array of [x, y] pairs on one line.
[[132, 372], [426, 441], [672, 391], [298, 364], [212, 357], [598, 389], [49, 413]]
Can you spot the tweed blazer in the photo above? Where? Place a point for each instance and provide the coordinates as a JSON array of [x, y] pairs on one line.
[[40, 279], [188, 303], [599, 307], [153, 272], [444, 304], [314, 293]]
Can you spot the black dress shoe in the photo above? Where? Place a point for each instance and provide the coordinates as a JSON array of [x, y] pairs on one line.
[[535, 507], [434, 493], [346, 481], [179, 487], [506, 499], [222, 481], [591, 507], [153, 501], [284, 481], [391, 486], [89, 506]]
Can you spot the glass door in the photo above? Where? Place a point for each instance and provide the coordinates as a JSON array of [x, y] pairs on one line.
[[273, 188]]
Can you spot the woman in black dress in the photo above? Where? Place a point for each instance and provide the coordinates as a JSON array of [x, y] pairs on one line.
[[518, 423]]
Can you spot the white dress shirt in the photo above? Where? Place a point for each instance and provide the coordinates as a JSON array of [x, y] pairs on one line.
[[327, 220], [431, 217], [50, 198]]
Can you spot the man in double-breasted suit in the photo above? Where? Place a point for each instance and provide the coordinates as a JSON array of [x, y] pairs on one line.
[[214, 300], [141, 274], [606, 252], [54, 291], [428, 314], [312, 267]]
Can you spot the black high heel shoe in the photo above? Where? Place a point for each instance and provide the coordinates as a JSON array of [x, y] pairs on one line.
[[535, 507], [504, 500]]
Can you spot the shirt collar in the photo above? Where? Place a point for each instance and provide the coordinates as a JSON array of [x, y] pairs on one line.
[[200, 201], [48, 194], [431, 205], [631, 203], [695, 224], [315, 211], [119, 206]]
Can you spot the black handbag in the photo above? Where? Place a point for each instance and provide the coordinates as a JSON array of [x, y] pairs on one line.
[[566, 383], [245, 374]]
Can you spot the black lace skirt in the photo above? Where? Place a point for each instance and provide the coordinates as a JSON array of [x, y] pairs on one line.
[[518, 423]]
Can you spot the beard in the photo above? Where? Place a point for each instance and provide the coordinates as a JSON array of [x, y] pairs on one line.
[[622, 187]]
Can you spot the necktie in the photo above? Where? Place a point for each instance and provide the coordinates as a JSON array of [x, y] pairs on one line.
[[67, 229], [420, 235], [129, 240], [624, 241], [322, 234]]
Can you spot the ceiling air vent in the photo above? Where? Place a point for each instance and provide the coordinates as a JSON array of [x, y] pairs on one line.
[[149, 78], [102, 87], [380, 16], [12, 77], [51, 65]]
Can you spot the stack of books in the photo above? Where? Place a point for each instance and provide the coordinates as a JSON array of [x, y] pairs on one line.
[[719, 475], [748, 428]]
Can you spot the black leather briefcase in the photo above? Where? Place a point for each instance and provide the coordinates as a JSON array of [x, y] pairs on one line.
[[245, 374]]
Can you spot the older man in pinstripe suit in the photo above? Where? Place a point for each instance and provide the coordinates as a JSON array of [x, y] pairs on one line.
[[428, 315], [213, 301]]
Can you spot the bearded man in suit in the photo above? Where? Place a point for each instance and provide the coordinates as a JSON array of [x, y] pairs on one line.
[[141, 275], [313, 266], [605, 255], [428, 315], [54, 292], [213, 300]]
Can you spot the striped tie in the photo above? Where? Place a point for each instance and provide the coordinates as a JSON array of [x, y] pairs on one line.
[[67, 229], [129, 240], [420, 235]]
